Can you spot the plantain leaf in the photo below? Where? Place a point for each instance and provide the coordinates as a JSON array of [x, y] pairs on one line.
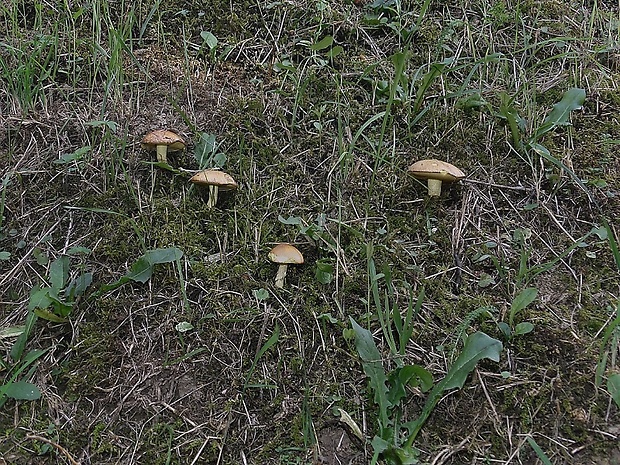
[[572, 100], [22, 390], [322, 44], [613, 386], [373, 367], [523, 299], [477, 347]]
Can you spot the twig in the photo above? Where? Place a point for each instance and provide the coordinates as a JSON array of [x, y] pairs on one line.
[[499, 186], [61, 449]]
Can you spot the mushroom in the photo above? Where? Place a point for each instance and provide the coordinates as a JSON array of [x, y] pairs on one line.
[[284, 255], [216, 180], [162, 141], [436, 172]]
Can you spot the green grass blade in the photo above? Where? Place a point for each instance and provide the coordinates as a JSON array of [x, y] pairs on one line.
[[539, 452]]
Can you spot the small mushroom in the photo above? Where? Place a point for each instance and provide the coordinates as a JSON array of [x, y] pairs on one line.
[[436, 172], [162, 141], [284, 255], [216, 181]]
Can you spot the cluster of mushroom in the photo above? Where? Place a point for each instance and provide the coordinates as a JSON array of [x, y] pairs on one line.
[[163, 141]]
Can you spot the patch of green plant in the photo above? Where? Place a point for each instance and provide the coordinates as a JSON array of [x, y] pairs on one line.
[[391, 15], [608, 357], [387, 308], [511, 328], [395, 439], [207, 153], [261, 295], [572, 100], [21, 389], [526, 272], [60, 296], [142, 269], [26, 67]]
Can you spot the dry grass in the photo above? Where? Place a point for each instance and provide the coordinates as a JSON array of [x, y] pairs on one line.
[[121, 385]]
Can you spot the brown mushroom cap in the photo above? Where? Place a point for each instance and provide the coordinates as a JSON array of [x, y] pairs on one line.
[[286, 254], [220, 179], [173, 141], [436, 169]]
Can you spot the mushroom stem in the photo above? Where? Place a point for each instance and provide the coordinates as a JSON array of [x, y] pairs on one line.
[[280, 275], [162, 152], [213, 191], [434, 187]]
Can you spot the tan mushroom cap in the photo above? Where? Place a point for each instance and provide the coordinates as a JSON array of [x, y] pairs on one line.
[[286, 254], [173, 141], [436, 169], [220, 179]]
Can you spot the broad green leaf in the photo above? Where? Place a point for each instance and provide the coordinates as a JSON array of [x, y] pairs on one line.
[[70, 157], [205, 148], [523, 299], [5, 255], [334, 52], [573, 99], [141, 271], [613, 386], [322, 44], [42, 259], [59, 271], [167, 255], [79, 250], [409, 375], [22, 390], [373, 367], [324, 271], [505, 328], [523, 328], [78, 286], [406, 455], [209, 39], [261, 294], [39, 298], [477, 347], [290, 220]]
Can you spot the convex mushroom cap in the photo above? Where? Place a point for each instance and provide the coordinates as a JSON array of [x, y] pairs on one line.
[[436, 172], [216, 181], [162, 141], [284, 255]]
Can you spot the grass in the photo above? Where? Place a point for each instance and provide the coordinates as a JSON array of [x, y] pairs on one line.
[[181, 350]]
